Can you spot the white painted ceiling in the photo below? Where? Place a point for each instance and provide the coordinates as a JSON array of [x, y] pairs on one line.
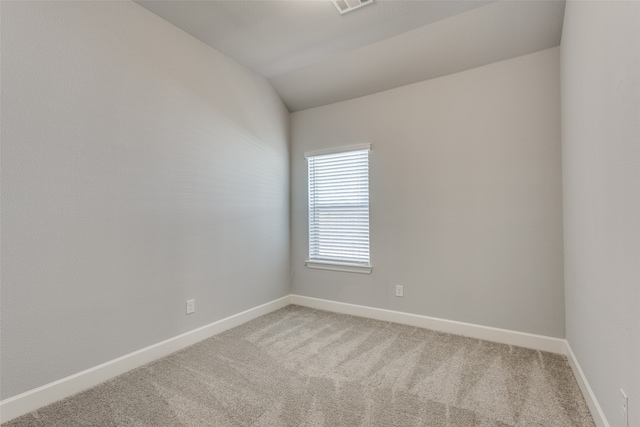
[[314, 56]]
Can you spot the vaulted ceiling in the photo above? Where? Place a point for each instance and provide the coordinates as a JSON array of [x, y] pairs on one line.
[[314, 56]]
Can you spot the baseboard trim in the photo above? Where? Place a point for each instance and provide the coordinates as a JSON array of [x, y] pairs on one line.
[[505, 336], [26, 402], [594, 407], [33, 399]]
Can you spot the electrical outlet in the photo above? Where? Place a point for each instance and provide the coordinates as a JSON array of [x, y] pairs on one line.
[[399, 290], [191, 306], [625, 408]]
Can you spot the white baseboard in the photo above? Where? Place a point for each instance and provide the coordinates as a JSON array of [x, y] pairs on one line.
[[587, 392], [33, 399], [505, 336]]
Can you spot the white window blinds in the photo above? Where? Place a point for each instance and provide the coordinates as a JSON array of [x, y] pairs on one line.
[[339, 207]]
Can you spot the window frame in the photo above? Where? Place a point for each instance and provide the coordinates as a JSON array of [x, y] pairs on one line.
[[337, 265]]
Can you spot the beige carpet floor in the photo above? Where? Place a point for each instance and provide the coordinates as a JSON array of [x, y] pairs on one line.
[[303, 367]]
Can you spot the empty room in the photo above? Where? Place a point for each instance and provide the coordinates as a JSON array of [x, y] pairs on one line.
[[320, 213]]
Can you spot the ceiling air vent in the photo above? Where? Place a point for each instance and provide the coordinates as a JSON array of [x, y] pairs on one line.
[[345, 6]]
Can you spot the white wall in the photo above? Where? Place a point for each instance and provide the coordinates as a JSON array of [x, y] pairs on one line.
[[466, 196], [601, 173], [140, 168]]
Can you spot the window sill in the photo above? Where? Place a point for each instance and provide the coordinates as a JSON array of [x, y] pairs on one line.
[[347, 268]]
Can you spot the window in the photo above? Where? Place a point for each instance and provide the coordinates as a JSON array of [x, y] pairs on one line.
[[339, 209]]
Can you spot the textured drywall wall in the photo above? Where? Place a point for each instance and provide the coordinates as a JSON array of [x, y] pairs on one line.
[[466, 196], [140, 168], [601, 176]]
